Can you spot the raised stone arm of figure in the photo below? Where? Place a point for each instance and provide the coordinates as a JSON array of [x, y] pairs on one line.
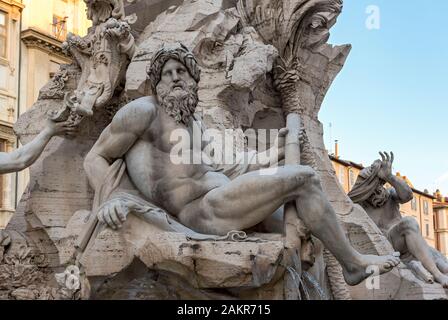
[[270, 158], [276, 154], [25, 156], [401, 191]]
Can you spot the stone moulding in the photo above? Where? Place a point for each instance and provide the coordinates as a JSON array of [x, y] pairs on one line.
[[35, 39]]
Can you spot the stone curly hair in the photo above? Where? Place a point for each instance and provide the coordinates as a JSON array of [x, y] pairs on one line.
[[177, 52]]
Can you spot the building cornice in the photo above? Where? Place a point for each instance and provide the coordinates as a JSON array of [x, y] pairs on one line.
[[36, 39], [7, 132], [13, 3], [346, 163], [424, 194], [350, 164]]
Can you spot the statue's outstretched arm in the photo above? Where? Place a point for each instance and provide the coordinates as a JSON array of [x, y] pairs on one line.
[[244, 161], [25, 156]]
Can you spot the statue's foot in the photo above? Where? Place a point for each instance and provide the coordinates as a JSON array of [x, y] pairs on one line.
[[427, 277], [442, 280], [355, 273], [418, 268]]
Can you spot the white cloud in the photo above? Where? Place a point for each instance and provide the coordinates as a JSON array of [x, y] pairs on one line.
[[443, 178], [442, 183]]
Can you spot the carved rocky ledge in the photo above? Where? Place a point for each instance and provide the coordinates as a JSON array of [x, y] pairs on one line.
[[24, 271], [204, 264]]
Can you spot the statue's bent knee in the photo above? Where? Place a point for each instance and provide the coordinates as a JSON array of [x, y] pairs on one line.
[[298, 177], [212, 204], [306, 176]]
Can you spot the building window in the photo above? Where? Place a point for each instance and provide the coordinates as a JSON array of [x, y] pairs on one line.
[[341, 175], [352, 178], [4, 77], [427, 229], [414, 204], [3, 34], [59, 27], [425, 207]]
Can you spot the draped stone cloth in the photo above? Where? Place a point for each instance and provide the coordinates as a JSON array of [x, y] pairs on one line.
[[112, 189], [366, 183]]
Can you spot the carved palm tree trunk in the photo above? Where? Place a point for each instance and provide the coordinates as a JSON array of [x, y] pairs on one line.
[[286, 85]]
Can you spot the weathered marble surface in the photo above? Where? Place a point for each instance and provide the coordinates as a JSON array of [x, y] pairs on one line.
[[204, 264], [236, 92]]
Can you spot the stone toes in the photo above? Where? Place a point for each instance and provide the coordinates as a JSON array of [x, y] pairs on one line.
[[395, 261]]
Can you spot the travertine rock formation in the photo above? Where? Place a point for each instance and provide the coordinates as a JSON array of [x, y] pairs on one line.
[[240, 88]]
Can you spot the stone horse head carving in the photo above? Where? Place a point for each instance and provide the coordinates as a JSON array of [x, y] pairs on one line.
[[102, 55]]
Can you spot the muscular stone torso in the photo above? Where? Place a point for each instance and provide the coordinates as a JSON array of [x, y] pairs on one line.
[[168, 185]]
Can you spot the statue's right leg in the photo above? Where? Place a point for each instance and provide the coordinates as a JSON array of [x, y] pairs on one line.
[[249, 199], [245, 201], [405, 236]]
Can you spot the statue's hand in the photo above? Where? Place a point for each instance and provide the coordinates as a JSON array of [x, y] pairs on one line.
[[113, 213], [386, 166], [60, 128]]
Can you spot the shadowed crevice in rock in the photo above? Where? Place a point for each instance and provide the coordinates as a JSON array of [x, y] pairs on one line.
[[237, 91]]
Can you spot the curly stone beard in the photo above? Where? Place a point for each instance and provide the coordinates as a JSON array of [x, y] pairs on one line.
[[179, 103], [379, 197]]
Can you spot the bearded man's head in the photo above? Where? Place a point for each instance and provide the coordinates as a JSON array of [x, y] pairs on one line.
[[379, 197], [174, 75]]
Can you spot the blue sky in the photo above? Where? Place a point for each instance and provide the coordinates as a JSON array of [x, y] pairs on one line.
[[392, 94]]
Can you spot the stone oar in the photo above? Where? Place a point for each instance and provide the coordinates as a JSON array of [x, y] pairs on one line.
[[285, 83], [292, 240]]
